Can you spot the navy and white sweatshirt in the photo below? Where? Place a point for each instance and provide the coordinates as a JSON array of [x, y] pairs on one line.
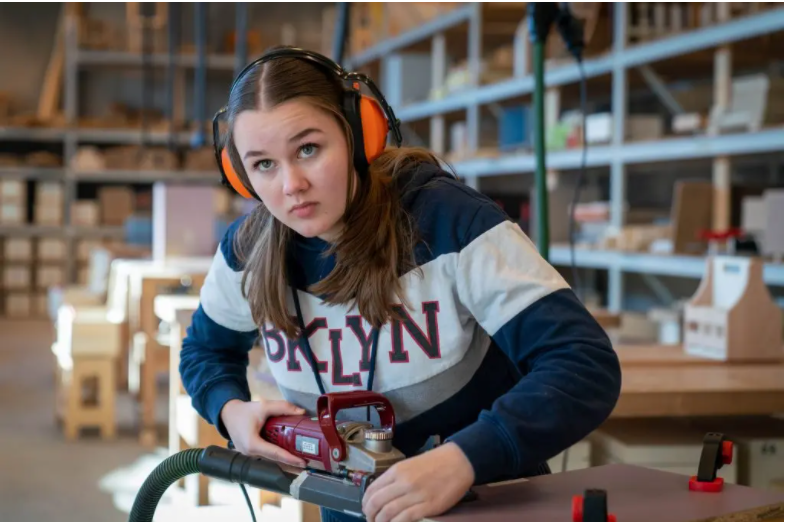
[[496, 354]]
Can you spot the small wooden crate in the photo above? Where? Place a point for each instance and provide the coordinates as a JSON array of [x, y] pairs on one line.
[[732, 316]]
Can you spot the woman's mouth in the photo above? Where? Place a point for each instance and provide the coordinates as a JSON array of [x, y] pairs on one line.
[[304, 210]]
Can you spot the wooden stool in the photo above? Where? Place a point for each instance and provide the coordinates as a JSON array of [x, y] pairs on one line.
[[87, 349], [91, 396]]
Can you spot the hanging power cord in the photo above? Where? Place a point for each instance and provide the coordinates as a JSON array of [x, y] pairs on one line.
[[571, 31], [230, 445]]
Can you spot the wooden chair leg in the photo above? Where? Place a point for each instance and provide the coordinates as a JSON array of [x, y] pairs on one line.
[[107, 388]]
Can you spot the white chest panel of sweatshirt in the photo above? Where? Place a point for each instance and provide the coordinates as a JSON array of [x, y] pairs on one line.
[[436, 334]]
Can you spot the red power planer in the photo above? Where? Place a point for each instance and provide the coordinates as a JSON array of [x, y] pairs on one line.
[[342, 458]]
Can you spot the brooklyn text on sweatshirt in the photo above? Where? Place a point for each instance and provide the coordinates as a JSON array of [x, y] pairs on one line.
[[495, 352]]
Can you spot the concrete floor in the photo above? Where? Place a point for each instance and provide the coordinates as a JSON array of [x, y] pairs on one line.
[[43, 477]]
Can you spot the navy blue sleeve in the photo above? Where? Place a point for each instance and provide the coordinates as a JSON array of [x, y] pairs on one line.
[[570, 374], [213, 366], [214, 355]]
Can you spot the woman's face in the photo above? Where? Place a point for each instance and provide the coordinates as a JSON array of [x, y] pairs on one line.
[[297, 160]]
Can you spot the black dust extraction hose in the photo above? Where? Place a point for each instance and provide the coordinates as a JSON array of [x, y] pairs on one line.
[[172, 469], [212, 461]]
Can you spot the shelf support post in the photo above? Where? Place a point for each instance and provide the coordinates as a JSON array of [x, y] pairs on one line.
[[618, 189]]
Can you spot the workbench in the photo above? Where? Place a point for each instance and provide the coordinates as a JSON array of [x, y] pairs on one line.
[[662, 381], [133, 286], [634, 494]]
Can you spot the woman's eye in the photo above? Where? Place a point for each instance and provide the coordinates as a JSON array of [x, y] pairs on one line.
[[308, 150], [264, 164]]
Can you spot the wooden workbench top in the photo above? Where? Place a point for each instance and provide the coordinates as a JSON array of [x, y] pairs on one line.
[[665, 354], [635, 494], [664, 381]]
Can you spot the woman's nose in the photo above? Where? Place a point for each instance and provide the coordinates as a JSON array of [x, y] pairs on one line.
[[294, 181]]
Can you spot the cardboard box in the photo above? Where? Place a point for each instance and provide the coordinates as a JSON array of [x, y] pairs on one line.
[[17, 277], [18, 249], [48, 215], [85, 214], [49, 193], [50, 249], [117, 203], [49, 275], [13, 190], [18, 305], [12, 213]]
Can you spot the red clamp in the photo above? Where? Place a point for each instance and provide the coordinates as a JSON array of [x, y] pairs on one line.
[[717, 452], [592, 506], [720, 235]]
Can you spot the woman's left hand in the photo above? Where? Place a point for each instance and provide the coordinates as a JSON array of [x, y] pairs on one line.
[[419, 487]]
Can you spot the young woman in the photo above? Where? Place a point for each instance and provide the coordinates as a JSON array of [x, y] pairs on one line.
[[376, 269]]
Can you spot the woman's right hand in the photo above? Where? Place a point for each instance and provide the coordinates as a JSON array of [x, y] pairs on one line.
[[244, 422]]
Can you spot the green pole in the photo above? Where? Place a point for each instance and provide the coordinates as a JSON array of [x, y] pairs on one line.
[[543, 236]]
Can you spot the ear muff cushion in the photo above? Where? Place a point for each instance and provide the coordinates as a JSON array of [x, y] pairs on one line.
[[374, 126], [232, 177]]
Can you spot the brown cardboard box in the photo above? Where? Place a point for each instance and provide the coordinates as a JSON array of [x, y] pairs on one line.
[[17, 305], [13, 190], [48, 215], [158, 158], [50, 249], [117, 203], [16, 277], [84, 213], [49, 193], [49, 275], [18, 249], [12, 213]]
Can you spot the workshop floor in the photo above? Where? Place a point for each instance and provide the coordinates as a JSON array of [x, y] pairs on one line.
[[43, 477]]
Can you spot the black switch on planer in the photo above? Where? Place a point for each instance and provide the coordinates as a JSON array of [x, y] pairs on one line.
[[717, 451]]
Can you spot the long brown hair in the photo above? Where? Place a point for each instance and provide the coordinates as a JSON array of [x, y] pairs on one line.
[[376, 245]]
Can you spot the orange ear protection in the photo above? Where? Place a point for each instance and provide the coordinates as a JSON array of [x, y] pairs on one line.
[[370, 118]]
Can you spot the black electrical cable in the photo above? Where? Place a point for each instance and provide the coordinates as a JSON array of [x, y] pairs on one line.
[[230, 445], [248, 501]]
